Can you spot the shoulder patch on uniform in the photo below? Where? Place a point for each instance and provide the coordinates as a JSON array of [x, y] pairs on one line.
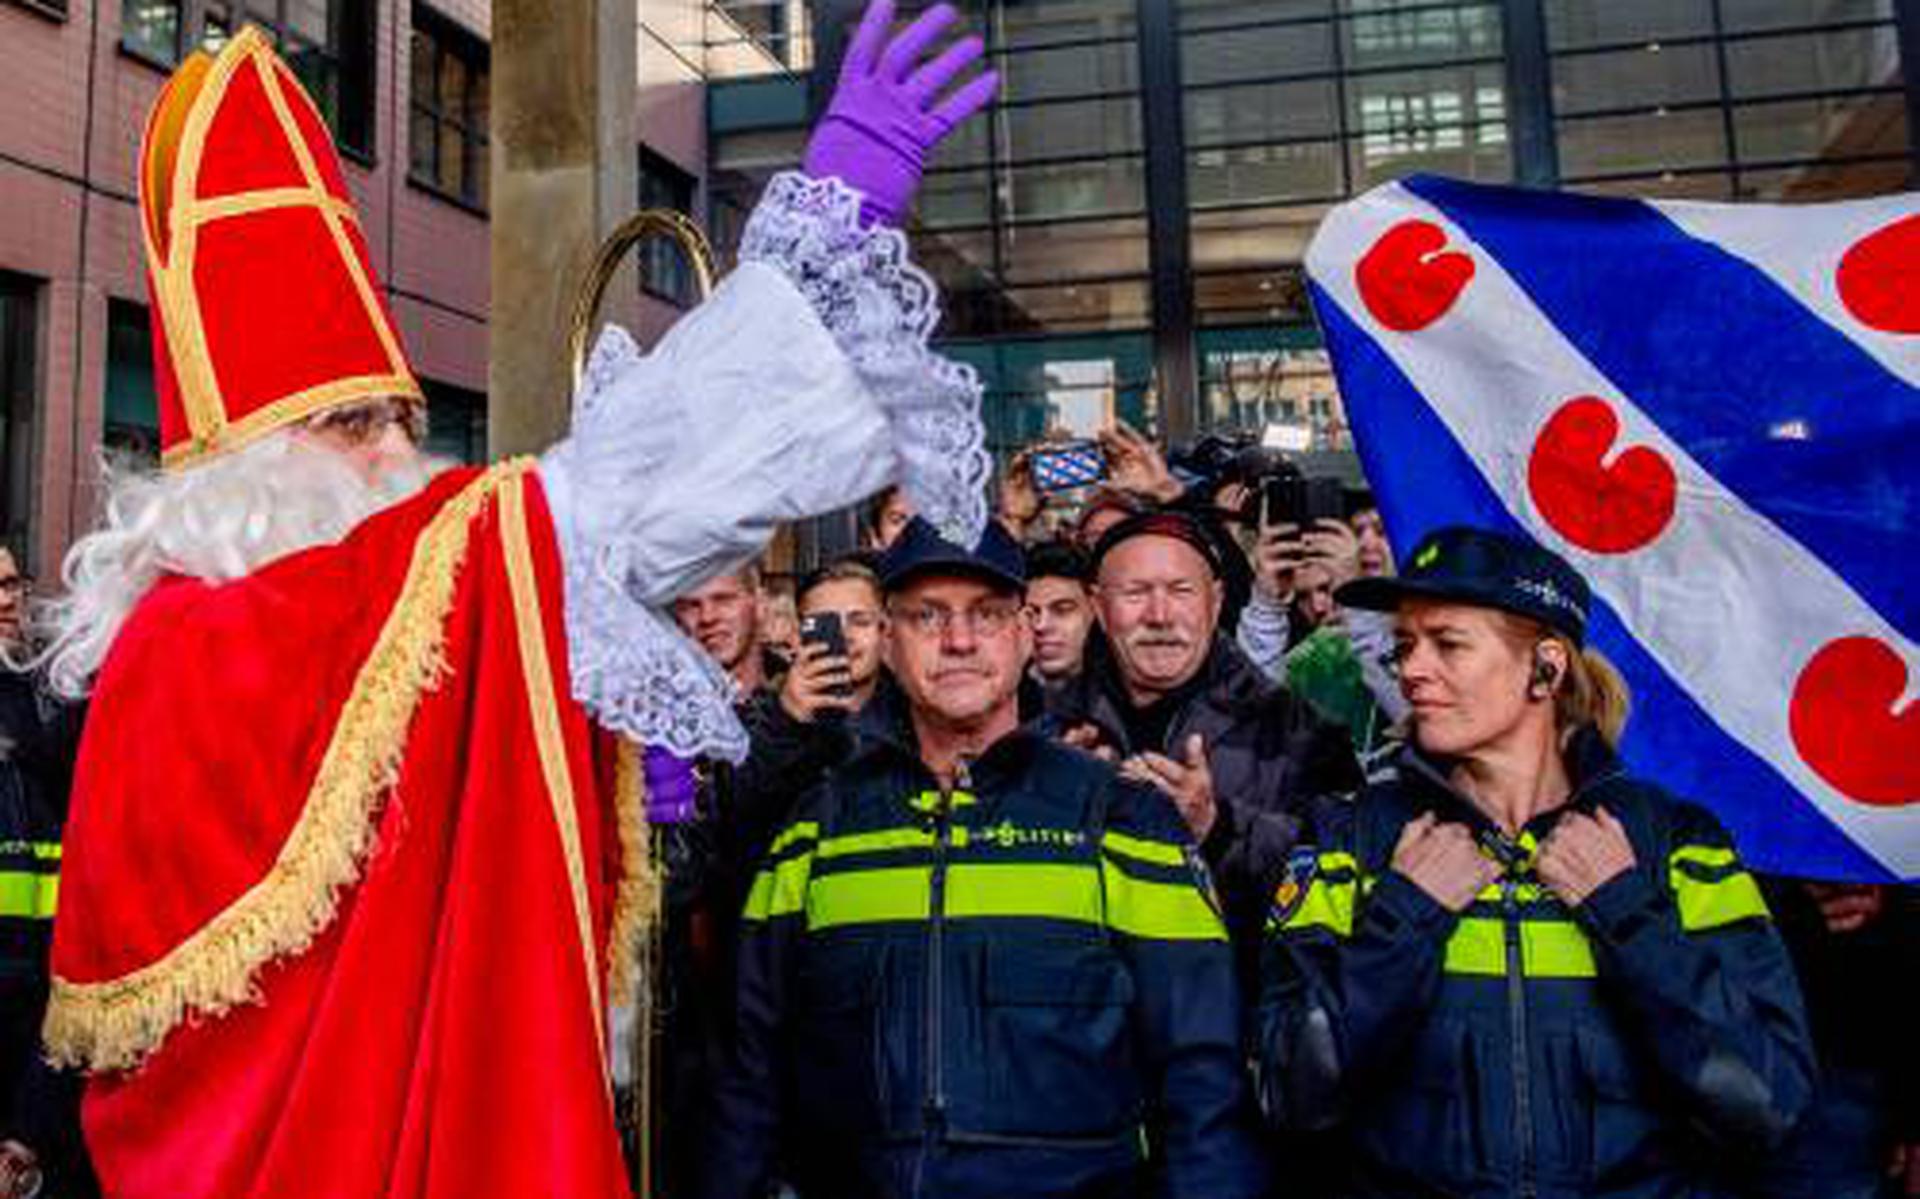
[[1295, 880]]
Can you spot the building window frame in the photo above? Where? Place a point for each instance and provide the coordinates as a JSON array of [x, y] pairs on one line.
[[21, 378], [344, 90], [665, 273], [127, 433], [1735, 162], [52, 10], [448, 39]]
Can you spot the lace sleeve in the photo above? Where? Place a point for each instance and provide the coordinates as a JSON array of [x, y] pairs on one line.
[[631, 666], [802, 385], [881, 309]]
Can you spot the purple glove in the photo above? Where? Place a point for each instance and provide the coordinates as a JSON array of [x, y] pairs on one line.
[[884, 121], [669, 786]]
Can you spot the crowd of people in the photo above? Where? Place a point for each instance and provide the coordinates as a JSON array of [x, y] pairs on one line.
[[1464, 950], [1163, 836], [1260, 868]]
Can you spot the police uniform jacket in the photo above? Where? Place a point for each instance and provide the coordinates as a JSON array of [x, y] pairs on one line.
[[1523, 1049], [1017, 987]]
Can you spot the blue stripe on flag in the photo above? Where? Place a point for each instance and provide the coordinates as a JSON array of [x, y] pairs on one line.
[[1719, 355], [1423, 480]]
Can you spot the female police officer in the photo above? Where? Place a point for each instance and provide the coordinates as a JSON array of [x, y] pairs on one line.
[[1513, 969]]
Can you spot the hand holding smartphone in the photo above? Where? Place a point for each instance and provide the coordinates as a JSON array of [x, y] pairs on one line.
[[819, 687]]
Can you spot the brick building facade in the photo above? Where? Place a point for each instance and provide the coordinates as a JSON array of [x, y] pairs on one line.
[[404, 85]]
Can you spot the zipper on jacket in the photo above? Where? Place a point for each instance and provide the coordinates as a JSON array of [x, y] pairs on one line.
[[935, 1107], [1524, 1186]]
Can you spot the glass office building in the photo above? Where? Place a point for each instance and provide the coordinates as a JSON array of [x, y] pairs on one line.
[[1123, 234]]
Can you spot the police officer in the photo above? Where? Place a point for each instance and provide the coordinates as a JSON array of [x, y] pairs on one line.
[[1513, 969], [977, 962]]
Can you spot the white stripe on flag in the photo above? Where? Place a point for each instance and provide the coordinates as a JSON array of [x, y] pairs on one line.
[[1727, 604], [1803, 256]]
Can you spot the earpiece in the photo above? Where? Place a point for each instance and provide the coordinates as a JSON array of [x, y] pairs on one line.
[[1545, 675]]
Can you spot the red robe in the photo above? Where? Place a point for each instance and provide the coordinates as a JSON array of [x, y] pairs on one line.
[[343, 865]]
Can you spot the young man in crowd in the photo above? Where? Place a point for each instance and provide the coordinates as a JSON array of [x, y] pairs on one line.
[[1059, 609], [723, 616], [976, 962], [824, 707]]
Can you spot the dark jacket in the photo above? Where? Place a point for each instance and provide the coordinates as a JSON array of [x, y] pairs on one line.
[[1015, 989], [40, 1107], [1268, 750], [1521, 1048], [1859, 991]]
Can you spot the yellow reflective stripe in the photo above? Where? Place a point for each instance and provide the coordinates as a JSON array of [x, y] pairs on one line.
[[929, 801], [1062, 891], [1159, 853], [779, 890], [1327, 905], [891, 838], [870, 897], [1548, 949], [1478, 946], [1334, 859], [1705, 906], [1556, 949], [1702, 855], [1712, 903], [1158, 911], [805, 830], [973, 890], [26, 896]]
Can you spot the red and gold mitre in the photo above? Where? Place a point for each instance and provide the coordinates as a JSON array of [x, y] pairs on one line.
[[265, 306]]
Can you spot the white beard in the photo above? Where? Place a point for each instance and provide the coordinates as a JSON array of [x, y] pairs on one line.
[[217, 522]]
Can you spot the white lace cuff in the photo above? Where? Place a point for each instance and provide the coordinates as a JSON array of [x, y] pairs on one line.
[[632, 667], [881, 309]]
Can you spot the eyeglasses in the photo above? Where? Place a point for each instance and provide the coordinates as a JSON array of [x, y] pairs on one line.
[[360, 423], [982, 620]]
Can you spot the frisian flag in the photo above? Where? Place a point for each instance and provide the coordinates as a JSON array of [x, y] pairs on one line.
[[1713, 411]]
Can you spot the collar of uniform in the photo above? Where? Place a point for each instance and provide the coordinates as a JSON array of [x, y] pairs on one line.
[[886, 724], [1591, 763]]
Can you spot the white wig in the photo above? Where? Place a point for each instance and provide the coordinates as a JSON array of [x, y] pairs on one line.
[[214, 522]]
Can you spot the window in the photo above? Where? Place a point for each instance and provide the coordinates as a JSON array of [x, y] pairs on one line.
[[151, 28], [1761, 100], [447, 132], [1291, 105], [327, 43], [665, 273], [132, 420], [456, 422], [19, 378], [762, 23]]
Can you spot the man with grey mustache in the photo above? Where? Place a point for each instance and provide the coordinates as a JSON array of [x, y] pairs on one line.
[[1177, 704]]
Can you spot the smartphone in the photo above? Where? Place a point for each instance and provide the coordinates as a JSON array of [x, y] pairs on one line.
[[1066, 466], [823, 628], [1299, 501]]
